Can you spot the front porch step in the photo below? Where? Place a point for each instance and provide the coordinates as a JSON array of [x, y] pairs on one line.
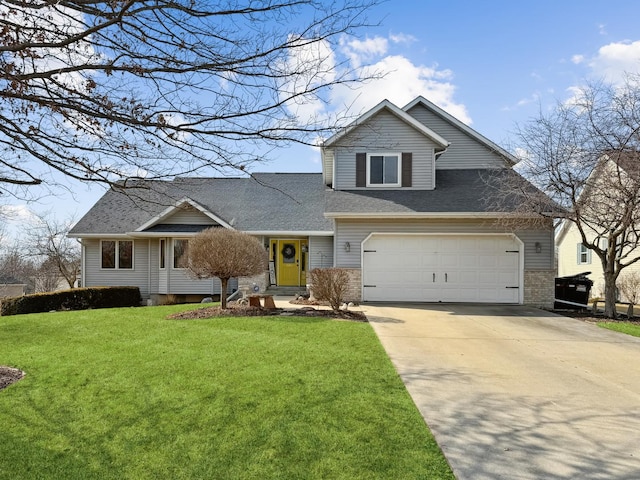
[[285, 291]]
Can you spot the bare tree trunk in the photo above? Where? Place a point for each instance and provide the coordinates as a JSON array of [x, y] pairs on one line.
[[610, 310], [223, 292]]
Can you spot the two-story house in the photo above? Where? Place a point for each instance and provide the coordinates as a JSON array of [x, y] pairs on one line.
[[402, 202]]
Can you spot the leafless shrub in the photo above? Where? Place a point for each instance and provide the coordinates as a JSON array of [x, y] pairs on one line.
[[225, 254], [330, 284]]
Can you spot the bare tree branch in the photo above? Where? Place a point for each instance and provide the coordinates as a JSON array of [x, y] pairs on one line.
[[100, 91], [585, 155]]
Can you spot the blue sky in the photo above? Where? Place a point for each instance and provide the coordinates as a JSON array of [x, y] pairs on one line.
[[492, 64]]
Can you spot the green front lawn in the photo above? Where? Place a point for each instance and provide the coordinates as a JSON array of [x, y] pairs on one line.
[[623, 327], [127, 394]]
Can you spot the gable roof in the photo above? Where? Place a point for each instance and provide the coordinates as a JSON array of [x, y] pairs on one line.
[[175, 208], [262, 204], [400, 113], [627, 161], [511, 159]]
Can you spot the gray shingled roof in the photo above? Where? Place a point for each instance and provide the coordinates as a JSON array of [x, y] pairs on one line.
[[267, 202], [458, 191]]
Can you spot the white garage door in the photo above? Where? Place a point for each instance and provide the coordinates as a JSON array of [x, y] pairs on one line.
[[441, 268]]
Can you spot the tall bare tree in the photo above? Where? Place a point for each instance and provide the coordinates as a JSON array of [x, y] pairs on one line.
[[16, 266], [585, 154], [59, 255], [225, 254], [103, 90]]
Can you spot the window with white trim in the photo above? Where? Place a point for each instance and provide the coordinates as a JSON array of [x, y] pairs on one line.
[[116, 254], [584, 255], [180, 252], [163, 253], [384, 169]]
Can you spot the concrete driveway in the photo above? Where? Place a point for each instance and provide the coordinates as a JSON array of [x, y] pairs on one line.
[[514, 392]]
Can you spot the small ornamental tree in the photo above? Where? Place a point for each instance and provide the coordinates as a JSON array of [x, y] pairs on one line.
[[225, 254], [330, 284]]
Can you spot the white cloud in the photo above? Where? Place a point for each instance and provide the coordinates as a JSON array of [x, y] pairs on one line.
[[362, 51], [402, 38], [17, 214], [310, 64], [615, 59], [577, 59], [402, 82], [392, 77]]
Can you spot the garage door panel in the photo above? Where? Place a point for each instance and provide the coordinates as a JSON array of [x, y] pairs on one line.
[[445, 268]]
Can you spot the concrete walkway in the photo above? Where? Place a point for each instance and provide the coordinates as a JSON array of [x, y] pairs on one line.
[[512, 392]]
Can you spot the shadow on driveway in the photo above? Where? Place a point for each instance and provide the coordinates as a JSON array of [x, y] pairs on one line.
[[513, 392]]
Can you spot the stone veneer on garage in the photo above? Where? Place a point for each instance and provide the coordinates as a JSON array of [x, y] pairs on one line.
[[539, 288]]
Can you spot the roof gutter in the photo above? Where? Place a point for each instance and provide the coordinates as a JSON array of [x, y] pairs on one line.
[[440, 215]]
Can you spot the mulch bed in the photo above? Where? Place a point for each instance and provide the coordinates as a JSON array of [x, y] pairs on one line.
[[589, 316], [9, 375], [245, 311]]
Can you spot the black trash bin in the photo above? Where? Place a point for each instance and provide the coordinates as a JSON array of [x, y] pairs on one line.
[[572, 292]]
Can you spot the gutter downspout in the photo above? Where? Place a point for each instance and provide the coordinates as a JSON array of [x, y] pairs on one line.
[[82, 262]]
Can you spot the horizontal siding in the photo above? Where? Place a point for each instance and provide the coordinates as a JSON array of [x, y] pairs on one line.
[[320, 252], [568, 262], [95, 276], [538, 261], [384, 133], [187, 216], [154, 265], [146, 273], [464, 151], [180, 282], [355, 231]]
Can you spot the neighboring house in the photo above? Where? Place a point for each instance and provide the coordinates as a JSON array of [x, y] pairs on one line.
[[573, 256], [403, 203], [10, 287]]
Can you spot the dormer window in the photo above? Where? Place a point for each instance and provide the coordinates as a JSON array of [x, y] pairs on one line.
[[383, 169]]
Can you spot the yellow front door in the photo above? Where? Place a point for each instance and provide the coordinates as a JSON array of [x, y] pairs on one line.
[[288, 254]]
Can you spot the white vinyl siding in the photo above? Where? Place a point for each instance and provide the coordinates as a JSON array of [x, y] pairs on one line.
[[355, 231], [320, 252], [464, 151], [384, 133]]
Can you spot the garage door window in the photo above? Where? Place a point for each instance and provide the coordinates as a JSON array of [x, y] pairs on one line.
[[383, 169]]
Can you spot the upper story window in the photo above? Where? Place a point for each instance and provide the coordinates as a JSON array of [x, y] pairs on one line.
[[584, 255], [383, 169], [117, 254]]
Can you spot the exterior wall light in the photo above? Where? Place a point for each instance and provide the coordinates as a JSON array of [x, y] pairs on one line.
[[347, 247], [538, 247]]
